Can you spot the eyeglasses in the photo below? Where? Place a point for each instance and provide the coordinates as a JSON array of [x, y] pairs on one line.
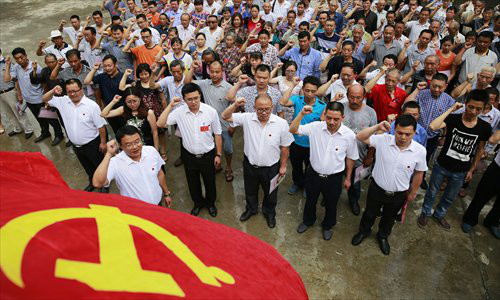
[[132, 144], [263, 110], [73, 92]]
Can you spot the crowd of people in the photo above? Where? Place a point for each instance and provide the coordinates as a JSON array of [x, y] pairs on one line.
[[341, 89]]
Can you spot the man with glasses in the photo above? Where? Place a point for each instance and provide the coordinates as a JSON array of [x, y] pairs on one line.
[[213, 32], [137, 169], [266, 140], [84, 125], [199, 126]]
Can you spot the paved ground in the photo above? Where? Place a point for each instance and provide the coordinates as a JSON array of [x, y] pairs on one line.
[[429, 263]]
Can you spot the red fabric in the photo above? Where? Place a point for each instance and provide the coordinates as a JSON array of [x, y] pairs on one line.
[[29, 183], [383, 104]]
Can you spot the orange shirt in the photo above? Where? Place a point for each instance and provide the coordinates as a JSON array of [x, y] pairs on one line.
[[445, 63], [145, 55]]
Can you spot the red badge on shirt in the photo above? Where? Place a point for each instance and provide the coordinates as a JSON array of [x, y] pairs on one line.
[[204, 128]]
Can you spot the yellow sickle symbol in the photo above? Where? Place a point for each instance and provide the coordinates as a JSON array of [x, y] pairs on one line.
[[119, 268]]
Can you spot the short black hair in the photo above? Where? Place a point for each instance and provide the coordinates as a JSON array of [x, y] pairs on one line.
[[312, 80], [73, 52], [348, 65], [190, 88], [18, 50], [405, 121], [51, 55], [453, 8], [304, 34], [440, 77], [146, 30], [141, 16], [91, 29], [256, 55], [176, 40], [410, 104], [471, 33], [75, 17], [263, 68], [126, 130], [175, 63], [335, 106], [492, 91], [391, 56], [117, 27], [287, 64], [143, 67], [73, 81], [265, 32], [426, 9], [487, 34], [152, 3], [389, 25], [348, 43], [478, 95], [114, 18], [109, 56], [426, 31], [97, 13]]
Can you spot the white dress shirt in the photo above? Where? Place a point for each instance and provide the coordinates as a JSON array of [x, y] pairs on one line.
[[280, 10], [138, 179], [262, 143], [338, 87], [196, 129], [329, 151], [212, 37], [82, 121], [394, 167], [185, 33], [72, 33]]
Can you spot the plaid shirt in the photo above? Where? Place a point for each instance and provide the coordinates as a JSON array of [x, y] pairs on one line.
[[270, 55], [431, 108], [230, 57], [196, 17], [250, 93]]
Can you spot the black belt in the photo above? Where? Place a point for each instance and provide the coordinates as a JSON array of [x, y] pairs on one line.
[[325, 176], [7, 90], [387, 193], [200, 155], [259, 167]]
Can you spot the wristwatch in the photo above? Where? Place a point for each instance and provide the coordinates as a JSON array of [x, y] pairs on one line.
[[217, 155], [167, 194]]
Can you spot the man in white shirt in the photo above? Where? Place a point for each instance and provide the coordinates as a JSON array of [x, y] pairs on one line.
[[59, 48], [185, 29], [399, 169], [211, 6], [280, 8], [73, 30], [142, 22], [338, 89], [267, 15], [417, 26], [212, 32], [137, 169], [333, 151], [266, 140], [198, 123], [84, 125]]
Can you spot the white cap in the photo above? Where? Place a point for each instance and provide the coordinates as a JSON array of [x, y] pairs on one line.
[[54, 34]]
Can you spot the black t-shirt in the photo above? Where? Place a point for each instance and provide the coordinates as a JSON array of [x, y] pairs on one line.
[[335, 65], [109, 86], [461, 143]]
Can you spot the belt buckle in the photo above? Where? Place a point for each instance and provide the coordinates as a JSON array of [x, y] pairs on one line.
[[389, 193], [198, 155], [323, 175]]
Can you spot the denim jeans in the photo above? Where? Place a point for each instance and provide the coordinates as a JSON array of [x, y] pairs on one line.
[[455, 181]]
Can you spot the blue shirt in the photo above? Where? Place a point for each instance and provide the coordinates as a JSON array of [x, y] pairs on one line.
[[308, 64], [431, 108], [298, 104], [419, 137]]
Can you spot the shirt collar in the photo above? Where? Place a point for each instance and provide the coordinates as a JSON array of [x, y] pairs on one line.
[[272, 118], [126, 159], [392, 142], [342, 129]]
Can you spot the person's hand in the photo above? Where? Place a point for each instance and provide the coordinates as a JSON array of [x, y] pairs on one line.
[[338, 96], [154, 68], [217, 162], [415, 65], [79, 37], [279, 65], [384, 126], [243, 79], [350, 22], [333, 52], [19, 98], [282, 172], [383, 69], [407, 43], [357, 6], [88, 19], [57, 90], [196, 64], [375, 34], [8, 60], [63, 22], [477, 11], [421, 85], [103, 147], [105, 33], [280, 19], [163, 37], [168, 200], [470, 77], [34, 65], [243, 60], [111, 147], [391, 117], [307, 109], [116, 99], [410, 196], [467, 45], [334, 77], [456, 106], [128, 72], [202, 23], [382, 21], [42, 44], [132, 22], [296, 81], [135, 38], [97, 65], [368, 161], [347, 183], [373, 64], [240, 102], [176, 101], [258, 25], [61, 61], [290, 44], [253, 37]]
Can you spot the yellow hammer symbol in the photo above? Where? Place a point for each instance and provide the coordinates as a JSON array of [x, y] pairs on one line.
[[119, 268]]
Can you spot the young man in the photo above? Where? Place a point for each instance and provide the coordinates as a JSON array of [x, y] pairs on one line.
[[333, 151], [299, 149], [477, 57], [418, 51], [266, 140], [398, 171], [466, 136], [137, 169], [115, 48], [413, 109], [146, 53], [89, 46], [73, 30]]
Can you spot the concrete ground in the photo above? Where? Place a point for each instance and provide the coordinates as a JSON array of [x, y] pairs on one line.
[[430, 263]]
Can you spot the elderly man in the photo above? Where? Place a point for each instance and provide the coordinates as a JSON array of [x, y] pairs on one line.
[[484, 78], [386, 98], [269, 52], [385, 46], [89, 46], [361, 46], [266, 140], [84, 126], [431, 64], [337, 88], [136, 170], [59, 47]]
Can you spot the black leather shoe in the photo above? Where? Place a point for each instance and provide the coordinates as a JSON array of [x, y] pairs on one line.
[[355, 208], [28, 135], [57, 140], [212, 210], [13, 133], [195, 211], [104, 190], [245, 216], [41, 138], [69, 144], [302, 228], [271, 222], [358, 238], [327, 234], [89, 188], [384, 245]]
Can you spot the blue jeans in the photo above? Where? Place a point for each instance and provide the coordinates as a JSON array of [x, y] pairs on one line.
[[455, 181]]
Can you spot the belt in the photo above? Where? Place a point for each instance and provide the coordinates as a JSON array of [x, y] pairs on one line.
[[7, 90], [387, 193], [200, 155], [258, 167], [324, 176]]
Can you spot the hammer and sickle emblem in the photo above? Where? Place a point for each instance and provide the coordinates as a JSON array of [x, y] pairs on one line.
[[119, 268]]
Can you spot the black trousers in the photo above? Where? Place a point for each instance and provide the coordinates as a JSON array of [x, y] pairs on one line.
[[432, 145], [488, 188], [299, 158], [330, 187], [44, 123], [255, 177], [89, 156], [204, 166], [375, 200]]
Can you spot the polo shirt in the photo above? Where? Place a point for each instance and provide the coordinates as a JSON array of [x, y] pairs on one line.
[[124, 59], [474, 62], [383, 104], [250, 93], [298, 104], [415, 28], [212, 37], [329, 151], [262, 143], [138, 179], [32, 93], [197, 130], [413, 54], [154, 33], [174, 90], [420, 134], [59, 53], [308, 64], [326, 43], [69, 73], [72, 33], [394, 167], [338, 87], [380, 50], [81, 121], [109, 86], [185, 33]]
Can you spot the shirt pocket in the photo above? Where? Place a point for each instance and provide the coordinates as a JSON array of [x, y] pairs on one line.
[[338, 149], [406, 166]]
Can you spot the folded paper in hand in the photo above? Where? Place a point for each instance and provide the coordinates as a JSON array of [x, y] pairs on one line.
[[361, 173], [275, 182]]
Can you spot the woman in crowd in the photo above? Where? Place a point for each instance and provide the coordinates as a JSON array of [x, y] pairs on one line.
[[230, 55], [446, 58]]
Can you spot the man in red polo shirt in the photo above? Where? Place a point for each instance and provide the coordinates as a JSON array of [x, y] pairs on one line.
[[385, 98]]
